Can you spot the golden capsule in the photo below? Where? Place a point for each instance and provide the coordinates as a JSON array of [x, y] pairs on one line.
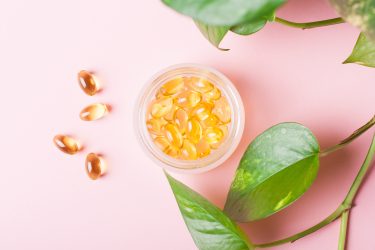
[[199, 84], [154, 125], [162, 143], [203, 148], [94, 112], [213, 135], [170, 115], [88, 82], [214, 94], [194, 130], [188, 151], [67, 144], [172, 86], [95, 166], [181, 118], [222, 110], [188, 99], [211, 121], [173, 135], [224, 129], [161, 107], [173, 151], [202, 111]]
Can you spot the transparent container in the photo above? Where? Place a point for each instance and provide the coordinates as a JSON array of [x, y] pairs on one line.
[[235, 130]]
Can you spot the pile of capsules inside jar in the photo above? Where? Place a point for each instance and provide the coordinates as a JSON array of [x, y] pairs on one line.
[[95, 165], [189, 118]]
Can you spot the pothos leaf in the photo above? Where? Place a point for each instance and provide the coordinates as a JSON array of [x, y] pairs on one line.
[[214, 34], [276, 169], [363, 52], [360, 13], [252, 26], [224, 12], [210, 228]]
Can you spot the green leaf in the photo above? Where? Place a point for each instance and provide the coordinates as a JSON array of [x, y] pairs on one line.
[[249, 28], [363, 52], [214, 34], [224, 12], [210, 228], [360, 13], [276, 169]]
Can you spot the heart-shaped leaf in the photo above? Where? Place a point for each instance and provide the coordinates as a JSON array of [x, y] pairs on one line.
[[214, 34], [276, 169], [363, 52], [252, 27], [360, 13], [210, 228], [225, 12]]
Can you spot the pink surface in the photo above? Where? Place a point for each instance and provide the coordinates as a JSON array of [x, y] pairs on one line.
[[283, 74]]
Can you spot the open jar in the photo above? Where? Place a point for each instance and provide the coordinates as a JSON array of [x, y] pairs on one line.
[[182, 110]]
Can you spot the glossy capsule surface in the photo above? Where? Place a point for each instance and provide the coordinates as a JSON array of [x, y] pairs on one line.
[[67, 144], [88, 82], [95, 166], [188, 118], [94, 112]]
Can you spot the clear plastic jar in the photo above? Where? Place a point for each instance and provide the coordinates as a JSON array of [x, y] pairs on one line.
[[236, 126]]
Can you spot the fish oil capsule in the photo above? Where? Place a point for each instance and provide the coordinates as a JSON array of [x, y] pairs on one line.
[[95, 166], [181, 118], [199, 84], [88, 82], [173, 135], [202, 111], [154, 125], [94, 112], [224, 129], [194, 130], [188, 99], [173, 151], [188, 151], [172, 86], [162, 143], [213, 135], [211, 121], [203, 148], [161, 107], [67, 144], [170, 115], [213, 94], [222, 110]]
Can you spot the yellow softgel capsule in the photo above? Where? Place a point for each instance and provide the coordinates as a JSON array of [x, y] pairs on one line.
[[94, 112], [194, 130], [161, 107], [173, 151], [189, 151], [212, 95], [162, 143], [202, 111], [154, 125], [188, 99], [95, 166], [170, 115], [181, 118], [173, 134], [213, 135], [67, 144], [225, 130], [199, 84], [203, 148], [88, 82], [211, 121], [172, 86], [222, 110]]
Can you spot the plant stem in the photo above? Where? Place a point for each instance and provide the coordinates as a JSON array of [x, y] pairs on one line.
[[351, 138], [343, 229], [310, 25], [344, 206]]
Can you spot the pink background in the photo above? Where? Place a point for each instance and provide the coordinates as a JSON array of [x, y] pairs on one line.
[[283, 74]]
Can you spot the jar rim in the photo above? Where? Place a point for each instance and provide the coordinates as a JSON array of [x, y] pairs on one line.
[[218, 156]]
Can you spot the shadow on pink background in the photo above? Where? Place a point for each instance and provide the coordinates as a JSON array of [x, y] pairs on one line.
[[283, 74]]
